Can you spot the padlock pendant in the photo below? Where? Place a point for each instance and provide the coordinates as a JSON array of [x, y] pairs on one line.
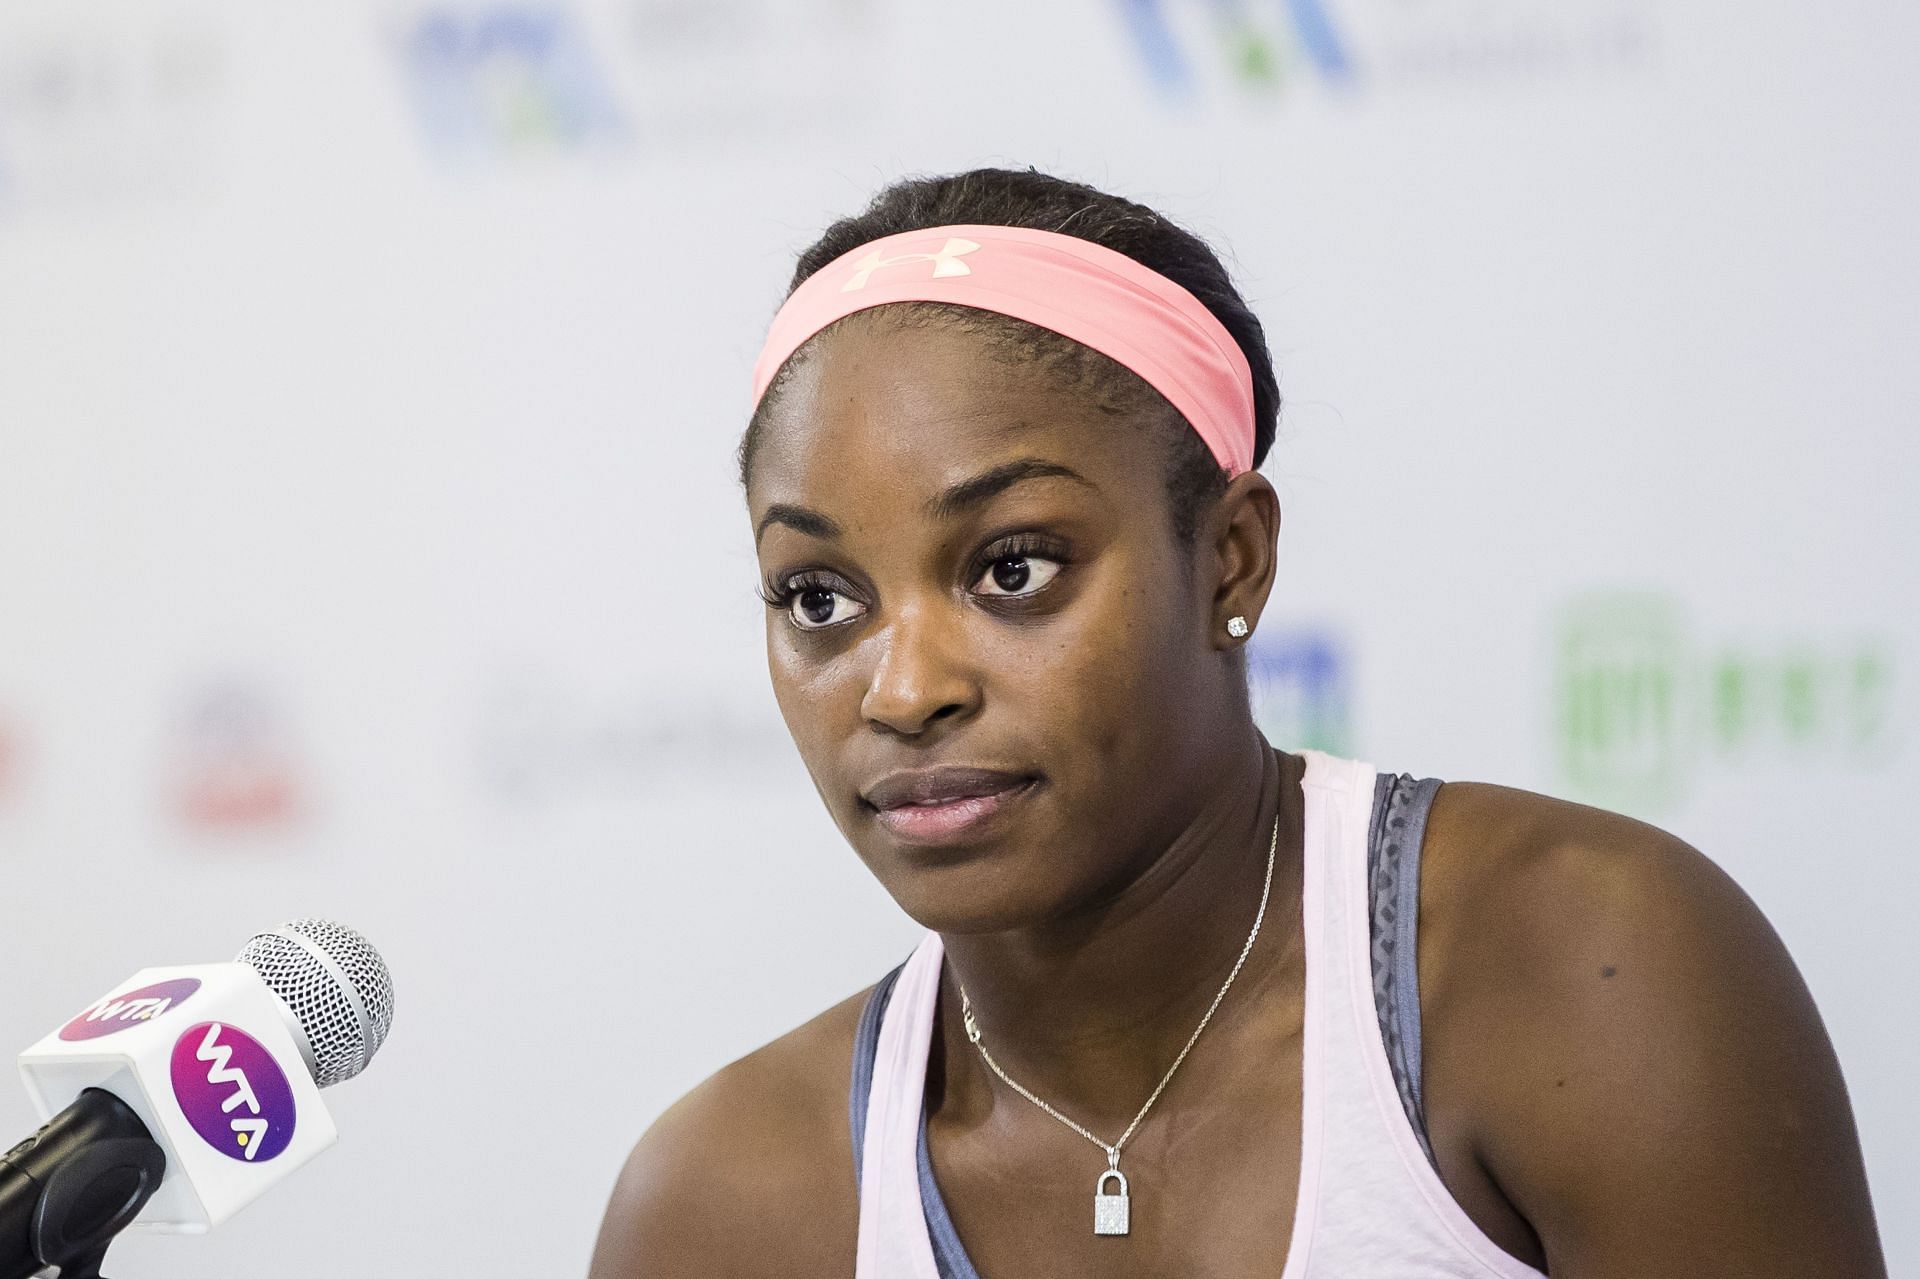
[[1110, 1212]]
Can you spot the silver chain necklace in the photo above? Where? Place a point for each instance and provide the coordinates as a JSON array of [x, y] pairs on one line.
[[1111, 1212]]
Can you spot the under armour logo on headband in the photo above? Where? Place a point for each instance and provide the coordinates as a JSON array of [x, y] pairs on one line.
[[945, 263]]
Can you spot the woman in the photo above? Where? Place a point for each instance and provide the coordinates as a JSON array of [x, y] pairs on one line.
[[1001, 479]]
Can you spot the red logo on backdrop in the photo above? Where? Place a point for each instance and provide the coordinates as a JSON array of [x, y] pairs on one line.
[[235, 763], [10, 752]]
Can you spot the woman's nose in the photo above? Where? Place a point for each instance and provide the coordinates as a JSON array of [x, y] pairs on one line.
[[922, 673]]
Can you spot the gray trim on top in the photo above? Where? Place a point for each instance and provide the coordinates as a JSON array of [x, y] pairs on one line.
[[1394, 838]]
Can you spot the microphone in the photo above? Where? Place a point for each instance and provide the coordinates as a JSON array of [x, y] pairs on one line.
[[187, 1093]]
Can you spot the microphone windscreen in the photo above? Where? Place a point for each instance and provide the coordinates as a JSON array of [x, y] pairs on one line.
[[335, 984]]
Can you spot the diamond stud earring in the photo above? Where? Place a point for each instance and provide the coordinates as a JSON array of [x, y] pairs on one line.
[[1237, 626]]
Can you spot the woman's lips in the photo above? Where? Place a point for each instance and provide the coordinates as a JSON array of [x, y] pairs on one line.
[[954, 819]]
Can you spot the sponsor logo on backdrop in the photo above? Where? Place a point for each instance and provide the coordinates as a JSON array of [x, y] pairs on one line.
[[1643, 707], [1301, 681], [99, 112], [495, 81], [11, 754], [1190, 46], [546, 740], [707, 73], [234, 761], [135, 1008], [499, 81], [1185, 42], [233, 1092]]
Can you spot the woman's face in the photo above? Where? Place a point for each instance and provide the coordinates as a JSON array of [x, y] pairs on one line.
[[979, 574]]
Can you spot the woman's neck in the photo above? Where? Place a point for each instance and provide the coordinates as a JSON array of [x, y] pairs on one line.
[[1090, 1010]]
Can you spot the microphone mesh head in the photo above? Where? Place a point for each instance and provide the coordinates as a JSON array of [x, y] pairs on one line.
[[337, 987]]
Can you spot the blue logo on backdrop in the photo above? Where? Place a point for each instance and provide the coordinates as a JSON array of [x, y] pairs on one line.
[[1253, 48], [508, 80], [1301, 681], [1259, 44]]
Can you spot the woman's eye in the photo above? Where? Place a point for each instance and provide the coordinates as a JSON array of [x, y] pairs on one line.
[[1017, 575], [813, 607]]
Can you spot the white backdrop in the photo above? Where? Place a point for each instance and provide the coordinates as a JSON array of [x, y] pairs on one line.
[[369, 547]]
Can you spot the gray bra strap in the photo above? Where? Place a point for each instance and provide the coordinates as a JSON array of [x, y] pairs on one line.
[[1394, 837]]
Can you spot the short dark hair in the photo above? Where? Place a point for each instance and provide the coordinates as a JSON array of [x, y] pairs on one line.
[[1029, 198]]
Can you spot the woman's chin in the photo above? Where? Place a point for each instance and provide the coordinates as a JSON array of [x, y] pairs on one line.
[[978, 895]]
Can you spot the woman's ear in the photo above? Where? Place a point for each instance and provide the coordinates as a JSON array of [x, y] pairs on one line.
[[1245, 533]]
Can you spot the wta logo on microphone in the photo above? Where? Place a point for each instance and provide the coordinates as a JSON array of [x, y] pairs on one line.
[[135, 1008], [233, 1092]]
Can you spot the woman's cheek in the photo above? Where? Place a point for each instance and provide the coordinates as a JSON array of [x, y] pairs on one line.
[[820, 697], [798, 687]]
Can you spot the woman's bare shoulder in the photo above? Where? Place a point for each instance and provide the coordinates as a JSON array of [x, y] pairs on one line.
[[750, 1173], [1619, 1037], [1558, 883], [1533, 906]]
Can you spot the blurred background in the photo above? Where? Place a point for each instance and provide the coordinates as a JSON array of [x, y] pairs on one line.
[[370, 547]]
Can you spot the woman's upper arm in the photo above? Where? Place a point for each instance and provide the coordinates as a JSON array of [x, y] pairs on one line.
[[750, 1175], [1658, 1094], [653, 1215]]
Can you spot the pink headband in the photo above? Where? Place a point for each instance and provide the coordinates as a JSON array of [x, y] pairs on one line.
[[1085, 291]]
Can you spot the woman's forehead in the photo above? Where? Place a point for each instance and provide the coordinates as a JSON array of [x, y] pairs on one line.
[[921, 407]]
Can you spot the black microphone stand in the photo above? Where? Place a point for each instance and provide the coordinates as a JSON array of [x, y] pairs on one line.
[[66, 1191]]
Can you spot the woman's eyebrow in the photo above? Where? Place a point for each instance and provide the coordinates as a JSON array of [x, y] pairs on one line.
[[990, 483], [945, 505], [812, 523]]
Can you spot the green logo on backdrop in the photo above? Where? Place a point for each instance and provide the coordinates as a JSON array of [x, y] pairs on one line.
[[1643, 707]]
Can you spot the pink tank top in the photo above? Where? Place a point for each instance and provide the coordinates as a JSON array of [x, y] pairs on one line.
[[1368, 1203]]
